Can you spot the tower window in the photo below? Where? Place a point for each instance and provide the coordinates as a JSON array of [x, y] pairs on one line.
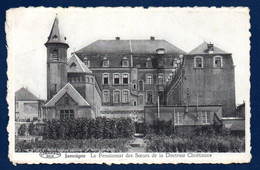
[[116, 96], [55, 55], [106, 96], [134, 86], [55, 88], [105, 78], [198, 62], [125, 96], [116, 79], [135, 103], [149, 78], [125, 78], [218, 62]]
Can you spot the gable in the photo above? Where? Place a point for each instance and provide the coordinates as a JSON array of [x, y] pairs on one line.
[[66, 100], [72, 92], [76, 65]]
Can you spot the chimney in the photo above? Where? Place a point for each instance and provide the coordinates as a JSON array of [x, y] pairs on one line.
[[152, 38], [117, 38]]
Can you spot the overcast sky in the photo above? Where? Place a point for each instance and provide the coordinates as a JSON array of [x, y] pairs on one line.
[[186, 28]]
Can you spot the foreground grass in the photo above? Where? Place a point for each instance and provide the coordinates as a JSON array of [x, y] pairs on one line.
[[74, 145]]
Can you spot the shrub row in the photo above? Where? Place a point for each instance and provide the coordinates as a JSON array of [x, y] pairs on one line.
[[84, 128], [194, 143], [74, 145]]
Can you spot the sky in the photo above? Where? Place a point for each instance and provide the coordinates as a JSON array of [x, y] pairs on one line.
[[28, 28]]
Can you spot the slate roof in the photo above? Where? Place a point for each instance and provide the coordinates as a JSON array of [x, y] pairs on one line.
[[25, 95], [79, 66], [128, 46], [55, 35], [202, 49], [72, 92]]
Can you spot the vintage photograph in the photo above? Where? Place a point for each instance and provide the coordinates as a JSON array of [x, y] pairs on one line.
[[128, 85]]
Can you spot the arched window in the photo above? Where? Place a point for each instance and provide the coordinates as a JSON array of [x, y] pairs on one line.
[[116, 96], [198, 62], [217, 62], [125, 96], [105, 78], [55, 55], [141, 85], [106, 96]]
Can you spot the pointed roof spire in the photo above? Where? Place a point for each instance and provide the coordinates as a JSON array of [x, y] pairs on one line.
[[55, 35]]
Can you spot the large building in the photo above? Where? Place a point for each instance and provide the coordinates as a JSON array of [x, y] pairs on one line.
[[141, 79]]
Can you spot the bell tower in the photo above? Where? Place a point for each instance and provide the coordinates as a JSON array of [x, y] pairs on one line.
[[56, 60]]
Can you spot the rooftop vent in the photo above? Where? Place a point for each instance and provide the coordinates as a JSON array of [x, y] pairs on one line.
[[117, 38], [152, 38]]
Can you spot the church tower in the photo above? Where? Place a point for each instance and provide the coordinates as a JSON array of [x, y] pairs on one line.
[[56, 60]]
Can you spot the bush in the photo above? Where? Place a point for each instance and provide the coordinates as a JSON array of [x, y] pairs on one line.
[[194, 143], [74, 145], [22, 129], [84, 128]]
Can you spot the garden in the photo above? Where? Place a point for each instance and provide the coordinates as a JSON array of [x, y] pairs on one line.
[[115, 135]]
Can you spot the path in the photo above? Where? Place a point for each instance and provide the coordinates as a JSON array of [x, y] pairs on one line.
[[138, 145]]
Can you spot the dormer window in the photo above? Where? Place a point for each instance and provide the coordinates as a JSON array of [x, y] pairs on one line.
[[160, 63], [149, 63], [86, 61], [198, 62], [105, 62], [218, 63], [125, 62], [160, 51]]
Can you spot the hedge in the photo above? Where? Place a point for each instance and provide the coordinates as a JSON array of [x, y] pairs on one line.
[[84, 128]]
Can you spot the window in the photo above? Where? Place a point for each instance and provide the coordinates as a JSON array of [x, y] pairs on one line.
[[149, 78], [87, 61], [134, 86], [198, 62], [116, 97], [66, 114], [160, 51], [55, 88], [106, 96], [160, 78], [105, 62], [148, 64], [135, 103], [205, 117], [149, 96], [66, 100], [160, 63], [217, 62], [125, 62], [178, 118], [105, 78], [87, 79], [116, 79], [55, 55], [141, 99], [125, 96], [125, 78], [16, 107], [141, 85]]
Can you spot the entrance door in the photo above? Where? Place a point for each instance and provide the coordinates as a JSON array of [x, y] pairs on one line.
[[139, 127]]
